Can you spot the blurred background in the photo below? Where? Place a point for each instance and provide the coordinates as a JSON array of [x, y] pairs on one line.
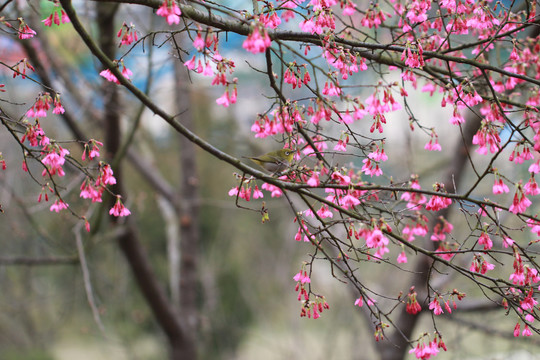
[[246, 302]]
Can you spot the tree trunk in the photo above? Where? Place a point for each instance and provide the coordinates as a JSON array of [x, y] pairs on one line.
[[188, 210], [396, 344], [180, 337]]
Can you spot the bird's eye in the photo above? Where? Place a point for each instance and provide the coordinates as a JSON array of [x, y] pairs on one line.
[[287, 153]]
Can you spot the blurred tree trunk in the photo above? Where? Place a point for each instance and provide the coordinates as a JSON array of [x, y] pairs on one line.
[[179, 337], [396, 345], [188, 211]]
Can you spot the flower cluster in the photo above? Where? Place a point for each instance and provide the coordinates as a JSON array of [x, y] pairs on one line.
[[24, 30], [127, 34], [170, 11], [426, 349], [257, 41], [315, 307], [109, 76], [56, 17]]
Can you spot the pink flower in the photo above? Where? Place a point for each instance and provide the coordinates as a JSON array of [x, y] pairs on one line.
[[314, 179], [507, 242], [126, 72], [500, 187], [415, 200], [107, 74], [274, 190], [360, 301], [302, 277], [456, 118], [535, 167], [224, 99], [402, 258], [190, 64], [412, 307], [119, 209], [94, 152], [48, 21], [89, 191], [376, 238], [485, 240], [378, 155], [374, 17], [526, 331], [341, 145], [369, 169], [128, 34], [58, 205], [199, 43], [520, 202], [233, 191], [480, 265], [516, 330], [290, 78], [54, 160], [324, 212], [342, 179], [437, 203], [105, 175], [531, 187], [349, 9], [24, 30], [349, 201], [170, 11], [257, 43], [433, 146], [41, 106], [291, 4], [234, 95], [64, 17], [347, 117], [271, 20], [54, 18], [58, 108], [309, 26], [245, 193], [423, 351], [304, 231], [413, 59], [257, 193], [331, 89], [435, 305]]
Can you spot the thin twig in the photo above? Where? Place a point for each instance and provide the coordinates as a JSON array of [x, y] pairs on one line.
[[87, 281]]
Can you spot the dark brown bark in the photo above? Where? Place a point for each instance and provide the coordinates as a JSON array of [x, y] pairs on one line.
[[154, 294], [180, 338]]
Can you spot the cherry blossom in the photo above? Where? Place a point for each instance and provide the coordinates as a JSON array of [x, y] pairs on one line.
[[58, 206], [119, 209], [170, 10], [24, 30], [257, 42]]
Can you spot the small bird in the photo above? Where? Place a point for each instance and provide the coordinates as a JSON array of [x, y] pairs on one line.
[[274, 161]]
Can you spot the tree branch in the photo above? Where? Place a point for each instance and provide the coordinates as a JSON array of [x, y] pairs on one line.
[[31, 261]]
